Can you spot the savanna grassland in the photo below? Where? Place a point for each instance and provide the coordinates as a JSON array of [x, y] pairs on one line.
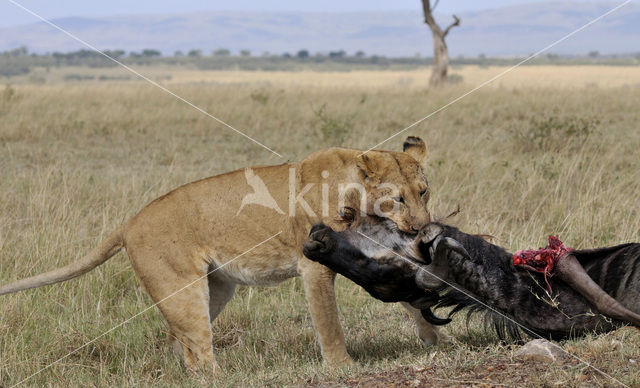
[[543, 150]]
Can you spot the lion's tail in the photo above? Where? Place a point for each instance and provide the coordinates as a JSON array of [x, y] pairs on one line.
[[107, 248]]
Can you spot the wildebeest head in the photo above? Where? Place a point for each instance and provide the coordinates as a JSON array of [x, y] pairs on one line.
[[380, 239], [374, 254]]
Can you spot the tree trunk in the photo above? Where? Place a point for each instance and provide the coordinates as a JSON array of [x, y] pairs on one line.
[[440, 60], [440, 53]]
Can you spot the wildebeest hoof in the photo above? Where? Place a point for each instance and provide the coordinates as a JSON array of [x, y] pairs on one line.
[[320, 242]]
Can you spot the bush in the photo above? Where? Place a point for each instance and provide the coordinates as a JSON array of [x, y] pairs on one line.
[[11, 66], [151, 53], [554, 133], [9, 93], [104, 77], [260, 96], [333, 130], [221, 52], [79, 77]]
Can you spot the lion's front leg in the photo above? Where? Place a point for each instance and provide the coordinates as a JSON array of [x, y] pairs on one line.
[[428, 333], [319, 288]]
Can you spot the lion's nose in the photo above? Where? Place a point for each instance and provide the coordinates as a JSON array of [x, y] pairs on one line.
[[414, 229]]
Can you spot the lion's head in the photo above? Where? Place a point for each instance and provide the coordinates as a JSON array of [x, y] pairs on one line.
[[396, 185]]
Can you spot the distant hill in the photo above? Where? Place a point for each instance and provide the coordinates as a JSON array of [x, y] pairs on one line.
[[513, 30]]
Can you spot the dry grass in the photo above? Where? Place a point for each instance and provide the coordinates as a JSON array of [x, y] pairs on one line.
[[523, 158], [527, 76]]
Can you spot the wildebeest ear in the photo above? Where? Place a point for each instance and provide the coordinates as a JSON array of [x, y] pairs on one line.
[[415, 147]]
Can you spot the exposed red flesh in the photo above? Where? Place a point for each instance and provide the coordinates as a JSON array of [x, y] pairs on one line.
[[542, 260]]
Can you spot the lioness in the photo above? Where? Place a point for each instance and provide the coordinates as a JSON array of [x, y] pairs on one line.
[[209, 233]]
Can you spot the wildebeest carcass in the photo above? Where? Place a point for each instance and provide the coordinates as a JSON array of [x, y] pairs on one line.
[[593, 290]]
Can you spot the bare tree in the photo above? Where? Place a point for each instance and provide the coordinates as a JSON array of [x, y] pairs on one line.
[[440, 53]]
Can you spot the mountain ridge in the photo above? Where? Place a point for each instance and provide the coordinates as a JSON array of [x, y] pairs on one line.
[[507, 31]]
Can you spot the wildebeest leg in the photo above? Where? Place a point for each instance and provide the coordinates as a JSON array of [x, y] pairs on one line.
[[428, 333]]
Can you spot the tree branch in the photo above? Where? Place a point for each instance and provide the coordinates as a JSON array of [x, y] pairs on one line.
[[434, 5], [456, 22]]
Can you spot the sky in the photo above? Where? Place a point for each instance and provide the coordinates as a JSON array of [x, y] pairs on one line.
[[11, 15]]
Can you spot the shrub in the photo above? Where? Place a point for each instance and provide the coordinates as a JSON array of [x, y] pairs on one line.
[[10, 67], [554, 133], [333, 130], [79, 77], [260, 96], [9, 93]]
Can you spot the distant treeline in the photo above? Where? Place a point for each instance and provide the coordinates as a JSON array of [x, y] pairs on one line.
[[20, 60]]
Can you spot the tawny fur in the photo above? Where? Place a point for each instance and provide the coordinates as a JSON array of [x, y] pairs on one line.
[[189, 232]]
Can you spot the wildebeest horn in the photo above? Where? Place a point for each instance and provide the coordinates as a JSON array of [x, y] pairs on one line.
[[438, 248], [443, 245], [430, 317], [455, 246], [571, 272], [425, 303]]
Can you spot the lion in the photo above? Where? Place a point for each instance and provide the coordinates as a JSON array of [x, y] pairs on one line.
[[191, 247]]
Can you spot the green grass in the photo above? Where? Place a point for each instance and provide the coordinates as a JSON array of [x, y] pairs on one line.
[[79, 158]]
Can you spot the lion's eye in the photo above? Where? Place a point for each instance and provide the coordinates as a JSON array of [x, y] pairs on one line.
[[423, 192], [398, 199]]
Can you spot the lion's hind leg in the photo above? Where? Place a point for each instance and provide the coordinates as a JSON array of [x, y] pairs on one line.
[[428, 333], [187, 313], [181, 291]]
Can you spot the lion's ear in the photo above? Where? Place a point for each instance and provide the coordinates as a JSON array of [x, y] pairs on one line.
[[348, 214], [415, 147], [366, 168]]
